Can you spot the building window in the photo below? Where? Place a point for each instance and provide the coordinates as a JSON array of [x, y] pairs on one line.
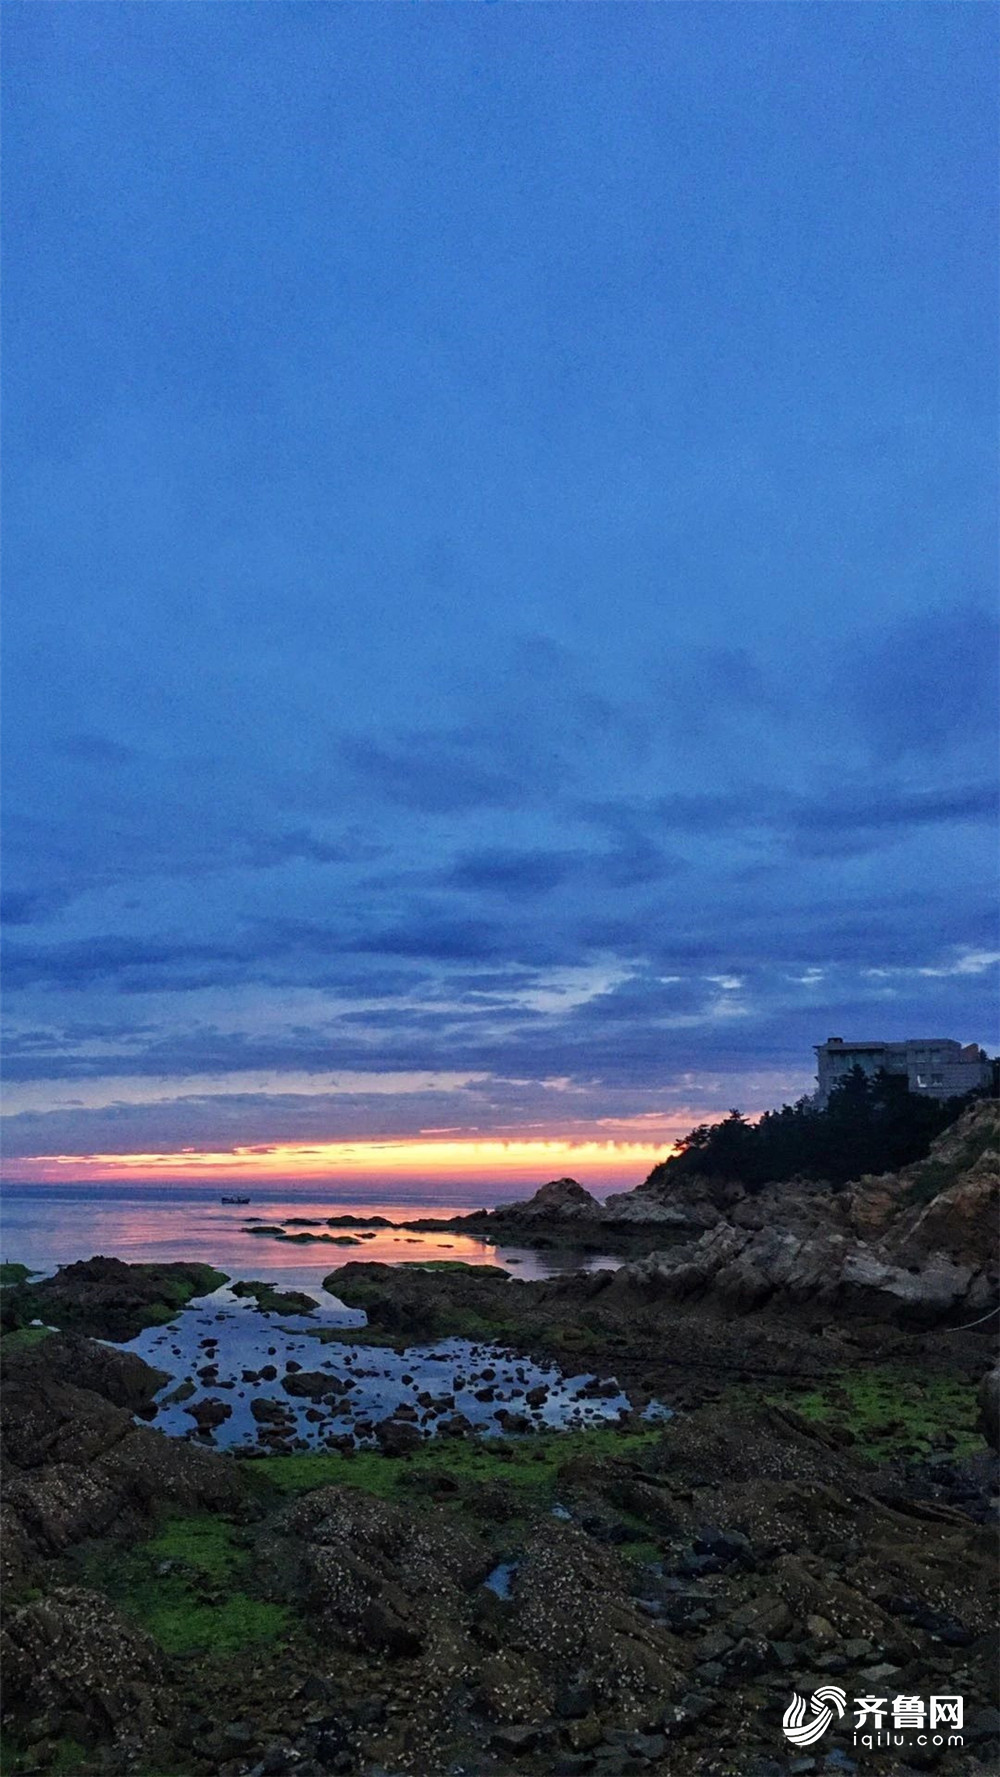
[[937, 1079]]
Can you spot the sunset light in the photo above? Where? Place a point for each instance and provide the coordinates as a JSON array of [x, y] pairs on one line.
[[471, 1161]]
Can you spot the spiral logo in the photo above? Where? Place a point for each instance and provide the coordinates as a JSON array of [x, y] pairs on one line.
[[803, 1730]]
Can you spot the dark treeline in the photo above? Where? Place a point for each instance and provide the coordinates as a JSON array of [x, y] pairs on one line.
[[871, 1123]]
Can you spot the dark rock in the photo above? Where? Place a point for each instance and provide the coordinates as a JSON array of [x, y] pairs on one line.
[[574, 1700], [70, 1653], [518, 1738], [726, 1545], [106, 1298], [209, 1413], [982, 1724], [647, 1746], [267, 1412], [314, 1385], [397, 1437]]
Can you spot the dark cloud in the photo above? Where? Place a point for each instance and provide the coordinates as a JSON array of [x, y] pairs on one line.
[[514, 874], [451, 938], [926, 682], [86, 962], [862, 819], [26, 907], [432, 774]]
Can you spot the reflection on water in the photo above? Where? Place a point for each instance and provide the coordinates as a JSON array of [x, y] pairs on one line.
[[49, 1225], [270, 1382]]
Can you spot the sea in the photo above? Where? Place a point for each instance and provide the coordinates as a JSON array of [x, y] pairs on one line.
[[46, 1225]]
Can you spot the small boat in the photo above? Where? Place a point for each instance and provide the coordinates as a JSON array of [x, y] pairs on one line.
[[235, 1199]]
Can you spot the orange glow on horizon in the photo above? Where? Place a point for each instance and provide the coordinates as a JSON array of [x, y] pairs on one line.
[[476, 1159]]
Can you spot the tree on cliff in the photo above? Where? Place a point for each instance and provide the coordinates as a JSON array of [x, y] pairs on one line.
[[871, 1123]]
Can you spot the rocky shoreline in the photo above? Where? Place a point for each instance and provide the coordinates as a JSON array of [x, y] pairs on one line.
[[625, 1598]]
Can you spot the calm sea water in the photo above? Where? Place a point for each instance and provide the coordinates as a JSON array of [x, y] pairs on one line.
[[48, 1225]]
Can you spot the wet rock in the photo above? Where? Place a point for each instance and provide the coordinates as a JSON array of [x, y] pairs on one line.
[[120, 1377], [510, 1688], [585, 1732], [515, 1424], [456, 1426], [575, 1699], [724, 1545], [386, 1578], [616, 1649], [314, 1385], [182, 1392], [647, 1746], [69, 1658], [519, 1738], [106, 1298], [209, 1413], [268, 1412], [76, 1465], [397, 1437]]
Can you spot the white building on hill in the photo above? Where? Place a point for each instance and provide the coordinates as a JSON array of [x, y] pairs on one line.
[[936, 1066]]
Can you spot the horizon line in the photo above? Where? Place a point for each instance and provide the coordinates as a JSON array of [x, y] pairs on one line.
[[488, 1156]]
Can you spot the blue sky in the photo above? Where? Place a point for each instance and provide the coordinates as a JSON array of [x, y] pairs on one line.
[[501, 541]]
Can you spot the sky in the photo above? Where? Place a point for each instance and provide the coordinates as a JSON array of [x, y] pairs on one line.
[[500, 647]]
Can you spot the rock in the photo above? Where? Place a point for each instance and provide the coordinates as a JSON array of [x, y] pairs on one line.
[[803, 1246], [647, 1746], [518, 1739], [560, 1200], [70, 1657], [680, 1718], [106, 1298], [383, 1577], [857, 1649], [268, 1412], [76, 1465], [725, 1545], [574, 1700], [209, 1413], [456, 1426], [314, 1385], [182, 1392], [510, 1689], [397, 1437], [989, 1406], [982, 1724], [626, 1658], [585, 1733]]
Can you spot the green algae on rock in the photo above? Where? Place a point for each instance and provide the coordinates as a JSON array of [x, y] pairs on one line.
[[187, 1587], [885, 1411], [271, 1300], [107, 1298]]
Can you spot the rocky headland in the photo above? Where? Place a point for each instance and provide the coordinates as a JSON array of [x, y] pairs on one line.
[[919, 1244]]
